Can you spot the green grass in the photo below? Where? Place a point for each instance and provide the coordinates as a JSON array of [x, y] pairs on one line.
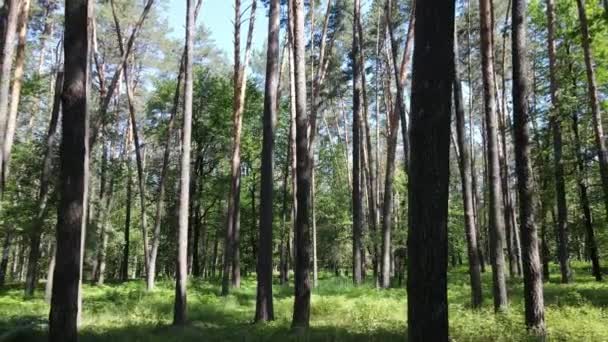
[[340, 312]]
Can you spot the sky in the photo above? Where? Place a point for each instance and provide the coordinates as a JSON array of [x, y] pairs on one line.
[[218, 16]]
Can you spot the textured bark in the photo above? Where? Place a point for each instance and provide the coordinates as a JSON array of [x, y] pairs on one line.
[[6, 248], [232, 273], [72, 189], [357, 202], [433, 78], [467, 190], [7, 51], [264, 310], [558, 164], [533, 281], [496, 219], [130, 88], [11, 120], [180, 308], [594, 103], [590, 242], [301, 310], [43, 194]]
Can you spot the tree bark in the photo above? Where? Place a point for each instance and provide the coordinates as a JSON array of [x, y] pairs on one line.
[[433, 78], [533, 281], [301, 310], [594, 103], [43, 194], [11, 122], [264, 310], [6, 248], [180, 308], [467, 190], [73, 160], [13, 8], [496, 219]]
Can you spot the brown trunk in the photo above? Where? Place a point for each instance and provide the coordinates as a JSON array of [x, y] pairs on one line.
[[496, 219], [180, 316], [533, 284], [433, 78], [73, 175]]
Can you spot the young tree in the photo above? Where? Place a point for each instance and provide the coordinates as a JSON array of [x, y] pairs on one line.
[[264, 310], [556, 128], [533, 279], [465, 179], [431, 105], [73, 162], [301, 308], [496, 218], [180, 310]]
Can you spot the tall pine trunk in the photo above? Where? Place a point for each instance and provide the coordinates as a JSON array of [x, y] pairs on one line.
[[431, 106], [264, 306], [533, 280], [496, 218], [180, 307], [72, 189]]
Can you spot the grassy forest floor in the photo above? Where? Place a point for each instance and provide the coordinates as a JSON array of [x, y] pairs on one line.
[[340, 312]]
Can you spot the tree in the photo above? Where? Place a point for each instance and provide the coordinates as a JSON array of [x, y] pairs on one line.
[[556, 122], [467, 189], [533, 279], [180, 310], [264, 310], [301, 308], [496, 219], [433, 77], [73, 163]]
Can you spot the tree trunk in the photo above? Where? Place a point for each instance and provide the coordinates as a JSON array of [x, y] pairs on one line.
[[496, 219], [433, 78], [594, 103], [264, 310], [48, 288], [45, 179], [533, 284], [6, 248], [180, 308], [301, 310], [124, 274], [467, 191], [73, 161], [11, 122], [558, 164]]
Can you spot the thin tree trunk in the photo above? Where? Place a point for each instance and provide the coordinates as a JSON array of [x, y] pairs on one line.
[[467, 191], [301, 310], [6, 248], [558, 164], [124, 274], [264, 310], [13, 8], [496, 222], [180, 308], [11, 123], [533, 284], [594, 103], [433, 78], [43, 194], [73, 175], [48, 288]]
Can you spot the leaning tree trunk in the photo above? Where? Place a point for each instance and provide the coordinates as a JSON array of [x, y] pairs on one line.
[[558, 164], [431, 105], [357, 203], [496, 220], [43, 194], [6, 66], [533, 280], [72, 189], [264, 310], [467, 190], [180, 308], [594, 103], [301, 309], [11, 120]]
